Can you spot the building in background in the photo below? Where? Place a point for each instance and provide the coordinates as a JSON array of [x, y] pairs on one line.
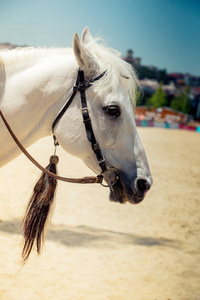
[[8, 46], [135, 61]]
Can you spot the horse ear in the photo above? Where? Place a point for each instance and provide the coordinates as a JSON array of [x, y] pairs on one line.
[[86, 37], [84, 57]]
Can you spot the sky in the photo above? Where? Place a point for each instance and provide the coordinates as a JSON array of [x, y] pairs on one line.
[[164, 33]]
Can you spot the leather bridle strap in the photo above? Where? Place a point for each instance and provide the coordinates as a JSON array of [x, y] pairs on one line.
[[88, 126], [81, 86], [63, 110]]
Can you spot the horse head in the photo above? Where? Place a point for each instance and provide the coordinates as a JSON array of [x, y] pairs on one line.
[[110, 103]]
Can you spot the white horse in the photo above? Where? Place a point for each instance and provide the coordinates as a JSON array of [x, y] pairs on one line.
[[36, 83]]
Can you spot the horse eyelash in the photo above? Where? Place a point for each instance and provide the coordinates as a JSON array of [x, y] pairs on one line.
[[124, 76]]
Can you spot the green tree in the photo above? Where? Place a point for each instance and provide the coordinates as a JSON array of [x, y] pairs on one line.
[[158, 99], [162, 76], [146, 72], [176, 104], [182, 102]]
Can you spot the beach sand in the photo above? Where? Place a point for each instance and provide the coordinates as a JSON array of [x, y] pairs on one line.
[[99, 250]]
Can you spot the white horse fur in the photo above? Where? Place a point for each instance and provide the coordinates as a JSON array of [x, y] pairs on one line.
[[36, 83]]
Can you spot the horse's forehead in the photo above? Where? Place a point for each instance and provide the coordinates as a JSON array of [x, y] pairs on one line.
[[118, 94]]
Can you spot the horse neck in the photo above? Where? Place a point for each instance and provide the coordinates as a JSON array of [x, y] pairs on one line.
[[31, 98]]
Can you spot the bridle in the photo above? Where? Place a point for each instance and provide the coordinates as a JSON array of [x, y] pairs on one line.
[[80, 86]]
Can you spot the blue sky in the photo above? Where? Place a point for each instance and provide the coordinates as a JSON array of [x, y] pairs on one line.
[[164, 33]]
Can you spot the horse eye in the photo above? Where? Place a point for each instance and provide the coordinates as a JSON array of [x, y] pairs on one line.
[[113, 110]]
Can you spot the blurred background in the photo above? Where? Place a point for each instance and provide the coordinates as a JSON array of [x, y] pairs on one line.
[[160, 38]]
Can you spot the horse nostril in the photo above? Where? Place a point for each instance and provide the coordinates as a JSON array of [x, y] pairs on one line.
[[143, 185]]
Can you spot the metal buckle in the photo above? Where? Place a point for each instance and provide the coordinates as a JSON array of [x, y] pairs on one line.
[[85, 114], [85, 109], [101, 160]]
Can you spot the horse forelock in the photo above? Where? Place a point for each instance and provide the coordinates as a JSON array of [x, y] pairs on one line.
[[118, 71]]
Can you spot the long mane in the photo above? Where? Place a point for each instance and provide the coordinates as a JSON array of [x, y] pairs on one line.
[[117, 70], [27, 53]]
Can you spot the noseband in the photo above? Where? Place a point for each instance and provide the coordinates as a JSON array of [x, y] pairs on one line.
[[81, 86]]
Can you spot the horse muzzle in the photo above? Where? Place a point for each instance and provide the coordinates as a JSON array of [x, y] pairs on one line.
[[122, 190]]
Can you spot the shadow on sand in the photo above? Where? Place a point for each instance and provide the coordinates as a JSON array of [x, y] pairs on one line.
[[87, 236]]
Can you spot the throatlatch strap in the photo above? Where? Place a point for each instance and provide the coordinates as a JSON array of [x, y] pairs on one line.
[[63, 110]]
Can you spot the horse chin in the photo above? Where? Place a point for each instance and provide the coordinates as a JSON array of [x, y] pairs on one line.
[[121, 189], [119, 194]]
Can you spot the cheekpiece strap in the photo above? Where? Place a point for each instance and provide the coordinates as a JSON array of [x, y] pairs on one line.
[[80, 86], [87, 121]]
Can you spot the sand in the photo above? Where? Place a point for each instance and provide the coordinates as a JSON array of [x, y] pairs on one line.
[[99, 250]]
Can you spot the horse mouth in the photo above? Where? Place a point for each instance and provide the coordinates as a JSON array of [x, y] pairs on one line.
[[123, 190], [118, 193]]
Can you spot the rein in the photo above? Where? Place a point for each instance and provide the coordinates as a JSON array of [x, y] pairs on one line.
[[97, 179], [81, 86]]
